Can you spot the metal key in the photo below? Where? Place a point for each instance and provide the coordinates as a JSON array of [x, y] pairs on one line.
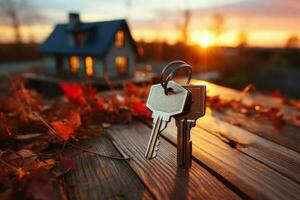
[[163, 107], [195, 109]]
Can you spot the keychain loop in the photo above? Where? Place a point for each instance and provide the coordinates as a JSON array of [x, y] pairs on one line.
[[164, 71], [164, 83]]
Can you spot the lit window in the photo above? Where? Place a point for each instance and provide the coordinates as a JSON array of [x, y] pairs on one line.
[[120, 38], [121, 64], [74, 64], [89, 66]]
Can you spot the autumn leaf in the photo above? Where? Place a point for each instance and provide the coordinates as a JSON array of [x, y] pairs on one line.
[[62, 129], [249, 88], [101, 103], [47, 164], [21, 173], [66, 129], [74, 120], [74, 93], [140, 109]]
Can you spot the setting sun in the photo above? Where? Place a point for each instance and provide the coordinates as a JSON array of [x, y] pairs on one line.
[[204, 39], [205, 42]]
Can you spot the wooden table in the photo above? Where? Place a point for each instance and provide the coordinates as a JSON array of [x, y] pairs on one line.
[[233, 158]]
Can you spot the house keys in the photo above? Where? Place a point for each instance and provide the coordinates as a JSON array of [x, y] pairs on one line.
[[186, 103]]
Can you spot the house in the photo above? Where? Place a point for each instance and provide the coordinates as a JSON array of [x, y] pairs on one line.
[[90, 49]]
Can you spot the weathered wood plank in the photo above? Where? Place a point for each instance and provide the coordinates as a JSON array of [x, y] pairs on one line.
[[251, 176], [281, 159], [102, 178], [161, 175], [287, 136]]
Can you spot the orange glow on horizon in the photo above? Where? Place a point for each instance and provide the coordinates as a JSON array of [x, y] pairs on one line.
[[202, 37], [204, 40]]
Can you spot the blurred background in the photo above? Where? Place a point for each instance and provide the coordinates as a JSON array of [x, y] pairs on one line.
[[229, 42]]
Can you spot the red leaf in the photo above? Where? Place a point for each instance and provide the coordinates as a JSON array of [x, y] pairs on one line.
[[90, 91], [63, 129], [74, 120], [140, 109], [74, 93], [100, 102], [66, 129]]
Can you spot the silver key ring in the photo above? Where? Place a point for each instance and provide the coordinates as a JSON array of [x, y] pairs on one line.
[[164, 71], [164, 83]]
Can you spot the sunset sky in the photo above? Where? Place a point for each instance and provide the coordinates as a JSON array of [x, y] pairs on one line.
[[263, 22]]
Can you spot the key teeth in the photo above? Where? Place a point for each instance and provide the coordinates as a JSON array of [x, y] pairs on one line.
[[156, 148], [154, 155], [157, 144]]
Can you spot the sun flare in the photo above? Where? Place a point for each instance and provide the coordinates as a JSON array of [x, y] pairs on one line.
[[203, 39]]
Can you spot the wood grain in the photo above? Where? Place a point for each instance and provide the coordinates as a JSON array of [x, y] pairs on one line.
[[103, 178], [287, 136], [277, 157], [160, 175], [252, 177]]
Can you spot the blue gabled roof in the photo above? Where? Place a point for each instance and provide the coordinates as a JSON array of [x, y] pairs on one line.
[[101, 36]]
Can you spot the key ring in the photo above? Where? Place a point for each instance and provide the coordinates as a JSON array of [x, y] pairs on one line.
[[164, 71], [171, 75]]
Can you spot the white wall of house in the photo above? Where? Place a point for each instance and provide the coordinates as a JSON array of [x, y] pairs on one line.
[[127, 50]]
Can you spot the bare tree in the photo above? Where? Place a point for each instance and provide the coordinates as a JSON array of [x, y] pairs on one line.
[[185, 25], [182, 22], [292, 42], [11, 10], [218, 25]]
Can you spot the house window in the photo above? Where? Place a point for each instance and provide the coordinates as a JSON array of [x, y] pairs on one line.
[[120, 38], [89, 66], [121, 64], [74, 64], [78, 39]]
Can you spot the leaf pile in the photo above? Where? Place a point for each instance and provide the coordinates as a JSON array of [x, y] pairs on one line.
[[34, 133]]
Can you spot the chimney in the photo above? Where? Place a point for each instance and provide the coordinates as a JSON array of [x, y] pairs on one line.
[[74, 20]]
